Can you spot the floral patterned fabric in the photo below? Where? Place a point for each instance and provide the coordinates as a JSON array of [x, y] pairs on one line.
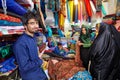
[[64, 69]]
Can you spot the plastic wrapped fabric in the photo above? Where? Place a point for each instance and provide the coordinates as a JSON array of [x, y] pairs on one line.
[[14, 7]]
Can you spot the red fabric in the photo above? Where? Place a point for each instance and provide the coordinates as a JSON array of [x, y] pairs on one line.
[[9, 18], [88, 7], [64, 69], [0, 33]]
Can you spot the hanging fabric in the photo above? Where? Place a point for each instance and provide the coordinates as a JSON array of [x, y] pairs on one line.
[[71, 10], [80, 11], [76, 13], [92, 7], [68, 11], [38, 9], [43, 8], [88, 8], [61, 21], [98, 5], [53, 5], [118, 8], [55, 18], [74, 8], [103, 10], [62, 14]]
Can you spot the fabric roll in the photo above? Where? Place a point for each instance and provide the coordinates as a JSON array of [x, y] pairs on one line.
[[93, 7], [9, 18], [14, 7], [103, 10], [10, 13], [71, 10], [76, 13], [88, 8], [68, 11]]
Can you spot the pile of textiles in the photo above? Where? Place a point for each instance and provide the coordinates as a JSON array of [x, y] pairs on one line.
[[7, 65]]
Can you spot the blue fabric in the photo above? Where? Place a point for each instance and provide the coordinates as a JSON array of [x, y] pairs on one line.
[[8, 23], [59, 52], [42, 3], [92, 36], [82, 75], [7, 65], [14, 7], [55, 18], [76, 13], [49, 30], [72, 41], [60, 33], [68, 11], [53, 5], [26, 53]]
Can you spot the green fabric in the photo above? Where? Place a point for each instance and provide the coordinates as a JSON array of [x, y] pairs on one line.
[[86, 41], [103, 10], [5, 51]]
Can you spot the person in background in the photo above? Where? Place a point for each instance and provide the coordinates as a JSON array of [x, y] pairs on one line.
[[105, 54], [51, 43], [86, 43], [94, 34], [26, 52], [59, 50], [116, 22]]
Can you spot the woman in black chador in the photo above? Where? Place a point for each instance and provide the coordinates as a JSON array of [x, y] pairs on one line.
[[105, 54]]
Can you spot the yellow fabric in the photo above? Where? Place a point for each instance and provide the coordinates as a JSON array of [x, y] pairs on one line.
[[62, 14], [45, 65], [71, 4]]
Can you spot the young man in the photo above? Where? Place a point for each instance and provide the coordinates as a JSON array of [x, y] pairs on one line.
[[26, 52]]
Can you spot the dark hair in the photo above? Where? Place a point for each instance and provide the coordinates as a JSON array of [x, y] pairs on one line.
[[115, 18], [30, 15], [59, 43]]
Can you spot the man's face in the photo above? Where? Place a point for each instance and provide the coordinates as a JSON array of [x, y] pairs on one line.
[[32, 26]]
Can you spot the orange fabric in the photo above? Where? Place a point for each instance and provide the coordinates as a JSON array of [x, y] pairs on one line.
[[64, 69], [9, 18]]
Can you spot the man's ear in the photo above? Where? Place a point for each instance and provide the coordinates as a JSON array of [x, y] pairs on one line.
[[25, 27]]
